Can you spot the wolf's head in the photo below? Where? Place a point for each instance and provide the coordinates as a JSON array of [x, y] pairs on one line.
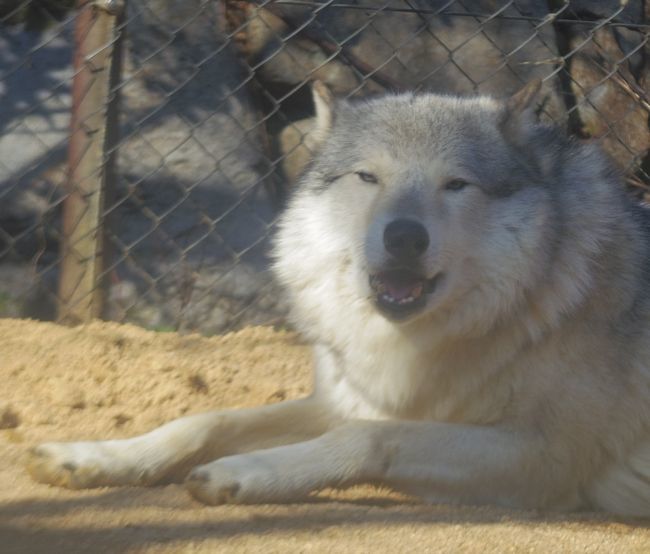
[[417, 205]]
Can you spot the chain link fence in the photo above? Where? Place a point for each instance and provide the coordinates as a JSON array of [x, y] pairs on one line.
[[147, 146]]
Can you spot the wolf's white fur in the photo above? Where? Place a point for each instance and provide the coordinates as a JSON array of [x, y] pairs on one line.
[[524, 380]]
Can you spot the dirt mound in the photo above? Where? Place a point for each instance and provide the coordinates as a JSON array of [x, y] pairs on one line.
[[106, 380]]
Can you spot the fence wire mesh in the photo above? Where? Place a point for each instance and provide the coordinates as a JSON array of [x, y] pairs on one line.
[[204, 131]]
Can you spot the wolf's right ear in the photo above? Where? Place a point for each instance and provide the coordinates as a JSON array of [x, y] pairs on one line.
[[324, 103], [519, 110], [524, 99]]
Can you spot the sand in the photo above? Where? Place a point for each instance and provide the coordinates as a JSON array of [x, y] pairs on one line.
[[106, 380]]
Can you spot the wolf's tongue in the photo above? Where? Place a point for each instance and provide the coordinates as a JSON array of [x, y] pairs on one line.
[[399, 291], [403, 288]]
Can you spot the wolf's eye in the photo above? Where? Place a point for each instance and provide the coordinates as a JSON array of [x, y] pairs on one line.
[[367, 177], [456, 184]]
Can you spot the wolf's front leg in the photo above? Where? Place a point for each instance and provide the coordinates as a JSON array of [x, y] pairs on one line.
[[169, 452], [439, 462]]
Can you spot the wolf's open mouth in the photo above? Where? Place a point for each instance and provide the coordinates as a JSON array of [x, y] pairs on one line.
[[400, 293]]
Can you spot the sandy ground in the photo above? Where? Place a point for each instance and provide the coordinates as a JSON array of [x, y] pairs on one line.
[[107, 380]]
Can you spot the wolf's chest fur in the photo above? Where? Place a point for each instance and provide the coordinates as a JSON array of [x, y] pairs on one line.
[[373, 371]]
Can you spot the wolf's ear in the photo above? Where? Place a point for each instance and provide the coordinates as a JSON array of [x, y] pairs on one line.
[[524, 99], [519, 110], [324, 103]]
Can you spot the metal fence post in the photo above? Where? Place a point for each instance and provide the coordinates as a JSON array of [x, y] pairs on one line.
[[93, 136]]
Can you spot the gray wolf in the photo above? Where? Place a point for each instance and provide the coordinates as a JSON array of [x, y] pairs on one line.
[[476, 287]]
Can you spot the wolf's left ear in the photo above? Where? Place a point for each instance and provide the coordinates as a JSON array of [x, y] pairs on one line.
[[324, 104], [519, 110]]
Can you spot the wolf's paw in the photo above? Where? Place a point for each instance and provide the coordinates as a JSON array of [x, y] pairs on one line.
[[77, 465], [213, 486], [239, 479]]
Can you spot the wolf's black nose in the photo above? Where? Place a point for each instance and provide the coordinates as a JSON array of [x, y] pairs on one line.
[[406, 239]]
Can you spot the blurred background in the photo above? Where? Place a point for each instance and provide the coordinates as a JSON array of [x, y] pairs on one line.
[[148, 146]]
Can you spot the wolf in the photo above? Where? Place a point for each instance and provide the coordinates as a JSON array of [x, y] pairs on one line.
[[476, 289]]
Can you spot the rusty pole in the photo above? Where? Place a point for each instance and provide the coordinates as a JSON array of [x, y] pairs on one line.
[[91, 153]]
